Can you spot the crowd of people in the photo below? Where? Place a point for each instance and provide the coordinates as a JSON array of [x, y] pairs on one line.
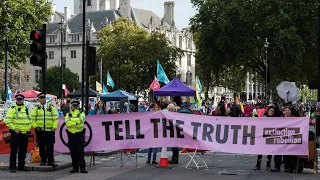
[[44, 119]]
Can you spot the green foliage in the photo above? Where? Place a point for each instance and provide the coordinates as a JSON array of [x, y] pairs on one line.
[[130, 54], [307, 94], [21, 17], [53, 80], [232, 34]]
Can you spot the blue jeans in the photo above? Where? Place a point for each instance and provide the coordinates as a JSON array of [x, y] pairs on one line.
[[154, 153]]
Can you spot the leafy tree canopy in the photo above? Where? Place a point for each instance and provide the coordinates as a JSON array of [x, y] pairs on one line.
[[53, 80], [130, 54], [21, 17], [232, 33]]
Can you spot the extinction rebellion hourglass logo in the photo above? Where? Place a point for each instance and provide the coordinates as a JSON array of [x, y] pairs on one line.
[[282, 135]]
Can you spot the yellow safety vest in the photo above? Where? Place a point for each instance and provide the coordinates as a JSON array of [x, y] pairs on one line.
[[75, 121], [17, 117], [44, 119]]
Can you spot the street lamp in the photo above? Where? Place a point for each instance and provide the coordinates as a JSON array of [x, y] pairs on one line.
[[61, 60], [266, 45]]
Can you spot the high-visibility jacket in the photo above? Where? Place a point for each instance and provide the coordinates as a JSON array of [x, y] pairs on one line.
[[17, 117], [75, 121], [44, 118]]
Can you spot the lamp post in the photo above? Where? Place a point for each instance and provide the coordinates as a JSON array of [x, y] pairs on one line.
[[61, 59], [119, 68], [266, 45]]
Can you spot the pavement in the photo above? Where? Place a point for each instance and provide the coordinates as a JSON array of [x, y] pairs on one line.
[[221, 166], [62, 161]]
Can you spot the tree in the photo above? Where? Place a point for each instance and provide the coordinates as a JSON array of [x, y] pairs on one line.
[[21, 17], [232, 34], [130, 54], [53, 80]]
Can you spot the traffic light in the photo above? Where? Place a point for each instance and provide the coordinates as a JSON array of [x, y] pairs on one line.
[[38, 47], [91, 58]]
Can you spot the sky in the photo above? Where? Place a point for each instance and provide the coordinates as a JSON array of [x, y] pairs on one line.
[[183, 9]]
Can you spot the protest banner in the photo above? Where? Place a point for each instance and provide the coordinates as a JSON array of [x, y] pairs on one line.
[[266, 136], [5, 139]]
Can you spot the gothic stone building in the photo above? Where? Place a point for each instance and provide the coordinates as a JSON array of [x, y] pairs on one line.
[[98, 18]]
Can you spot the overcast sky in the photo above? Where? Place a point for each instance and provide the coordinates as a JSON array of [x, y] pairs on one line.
[[183, 9]]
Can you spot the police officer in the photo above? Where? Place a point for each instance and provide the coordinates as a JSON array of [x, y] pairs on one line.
[[19, 124], [45, 121], [74, 121]]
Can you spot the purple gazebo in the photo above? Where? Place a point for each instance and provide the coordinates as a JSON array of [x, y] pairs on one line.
[[175, 88]]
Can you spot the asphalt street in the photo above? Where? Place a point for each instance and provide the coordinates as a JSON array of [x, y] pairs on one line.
[[220, 166]]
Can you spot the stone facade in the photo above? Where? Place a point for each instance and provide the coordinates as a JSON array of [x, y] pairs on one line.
[[96, 20]]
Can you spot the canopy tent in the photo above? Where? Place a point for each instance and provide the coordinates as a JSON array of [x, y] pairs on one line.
[[118, 96], [33, 94], [77, 93], [175, 88]]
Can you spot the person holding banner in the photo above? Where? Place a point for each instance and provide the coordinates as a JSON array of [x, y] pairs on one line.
[[45, 121], [175, 150], [19, 124], [270, 113], [74, 121], [288, 160]]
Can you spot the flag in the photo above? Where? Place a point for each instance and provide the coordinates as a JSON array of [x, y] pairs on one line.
[[98, 87], [155, 84], [199, 84], [237, 100], [198, 100], [9, 94], [66, 90], [105, 91], [161, 75], [110, 81]]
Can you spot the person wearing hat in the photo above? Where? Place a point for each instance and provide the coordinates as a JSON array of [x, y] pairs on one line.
[[74, 121], [45, 122], [19, 124]]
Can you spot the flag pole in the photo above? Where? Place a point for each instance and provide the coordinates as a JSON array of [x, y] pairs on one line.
[[101, 72]]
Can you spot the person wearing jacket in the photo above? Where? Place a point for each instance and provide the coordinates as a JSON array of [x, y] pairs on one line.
[[74, 121], [270, 113], [45, 122], [287, 159], [100, 108], [19, 124]]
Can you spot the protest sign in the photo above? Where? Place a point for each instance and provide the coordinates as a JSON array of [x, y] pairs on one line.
[[5, 139], [266, 136]]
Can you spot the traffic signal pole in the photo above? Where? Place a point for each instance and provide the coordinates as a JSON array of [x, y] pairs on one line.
[[87, 78], [83, 49], [44, 64], [318, 82]]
